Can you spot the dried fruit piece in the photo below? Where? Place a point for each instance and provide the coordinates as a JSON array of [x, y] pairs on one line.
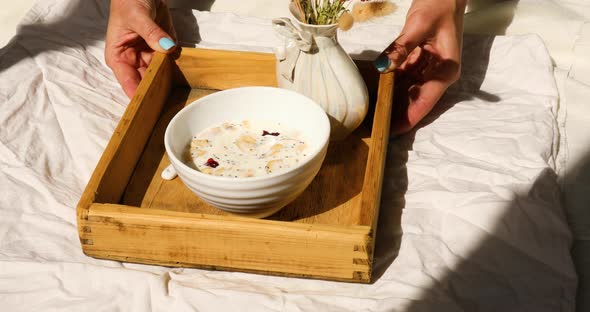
[[273, 165], [219, 171], [199, 143], [275, 149], [211, 163], [197, 152], [246, 143], [264, 132], [301, 147], [207, 170], [246, 174], [228, 126]]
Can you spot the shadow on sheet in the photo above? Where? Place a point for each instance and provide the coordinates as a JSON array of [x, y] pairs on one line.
[[578, 189], [465, 283], [491, 271], [471, 285], [389, 229], [475, 282], [81, 24]]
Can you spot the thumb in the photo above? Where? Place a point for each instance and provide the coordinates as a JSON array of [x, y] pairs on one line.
[[154, 36], [397, 52]]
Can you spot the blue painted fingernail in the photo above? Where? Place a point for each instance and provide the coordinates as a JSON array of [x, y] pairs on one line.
[[382, 63], [166, 43]]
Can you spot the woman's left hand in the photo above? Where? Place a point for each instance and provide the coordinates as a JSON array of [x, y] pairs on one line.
[[427, 57]]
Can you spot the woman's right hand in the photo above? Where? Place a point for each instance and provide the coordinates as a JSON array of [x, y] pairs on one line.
[[136, 29]]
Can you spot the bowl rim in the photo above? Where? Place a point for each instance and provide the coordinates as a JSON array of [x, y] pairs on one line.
[[311, 155]]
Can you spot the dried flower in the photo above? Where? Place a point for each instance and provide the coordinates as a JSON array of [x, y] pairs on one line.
[[320, 12], [366, 10], [345, 21]]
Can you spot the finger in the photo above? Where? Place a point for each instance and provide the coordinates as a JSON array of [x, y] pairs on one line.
[[154, 36], [141, 71], [412, 59], [413, 35], [128, 77], [445, 47], [145, 57], [422, 99]]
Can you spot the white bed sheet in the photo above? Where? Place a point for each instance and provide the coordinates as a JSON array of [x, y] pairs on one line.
[[10, 15], [482, 227]]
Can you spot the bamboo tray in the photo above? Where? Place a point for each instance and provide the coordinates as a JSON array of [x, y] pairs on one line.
[[128, 213]]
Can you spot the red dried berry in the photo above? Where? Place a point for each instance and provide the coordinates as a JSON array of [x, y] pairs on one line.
[[264, 132], [211, 163]]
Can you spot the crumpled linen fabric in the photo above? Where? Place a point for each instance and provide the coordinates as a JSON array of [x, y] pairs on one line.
[[470, 219]]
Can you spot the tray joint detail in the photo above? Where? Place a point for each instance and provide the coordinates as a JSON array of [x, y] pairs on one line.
[[86, 241]]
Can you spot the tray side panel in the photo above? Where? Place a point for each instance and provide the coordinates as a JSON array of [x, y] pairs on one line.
[[146, 188], [220, 70], [334, 243], [373, 180], [334, 196], [372, 185], [189, 239], [125, 147]]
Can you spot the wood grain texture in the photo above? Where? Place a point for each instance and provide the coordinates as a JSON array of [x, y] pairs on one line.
[[373, 182], [329, 199], [146, 188], [220, 70], [191, 239], [124, 149], [129, 213], [334, 196]]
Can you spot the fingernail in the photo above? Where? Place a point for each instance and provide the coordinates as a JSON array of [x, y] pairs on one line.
[[166, 43], [382, 63]]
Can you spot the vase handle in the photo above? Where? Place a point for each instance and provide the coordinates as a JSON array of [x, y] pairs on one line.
[[297, 41], [284, 26]]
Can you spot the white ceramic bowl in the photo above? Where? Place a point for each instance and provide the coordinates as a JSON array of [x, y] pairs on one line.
[[255, 196]]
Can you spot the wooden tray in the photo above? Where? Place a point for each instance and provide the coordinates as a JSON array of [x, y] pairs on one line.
[[128, 213]]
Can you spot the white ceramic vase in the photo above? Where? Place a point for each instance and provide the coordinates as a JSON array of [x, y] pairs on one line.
[[313, 63]]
